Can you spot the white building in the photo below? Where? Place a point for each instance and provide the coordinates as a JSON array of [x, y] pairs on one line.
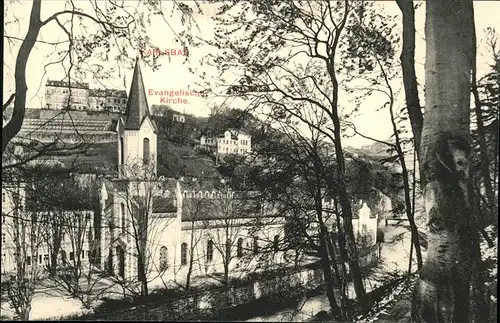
[[230, 142], [27, 230]]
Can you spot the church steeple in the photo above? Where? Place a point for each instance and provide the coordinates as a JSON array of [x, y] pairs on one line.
[[137, 135], [137, 104]]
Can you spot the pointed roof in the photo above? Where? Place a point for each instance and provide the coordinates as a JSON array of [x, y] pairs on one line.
[[137, 103]]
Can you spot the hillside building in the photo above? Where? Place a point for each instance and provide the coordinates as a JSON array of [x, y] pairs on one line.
[[232, 141], [78, 96]]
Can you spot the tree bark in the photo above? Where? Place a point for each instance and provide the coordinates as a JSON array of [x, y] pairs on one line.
[[15, 123], [442, 291], [408, 67], [327, 272], [345, 204]]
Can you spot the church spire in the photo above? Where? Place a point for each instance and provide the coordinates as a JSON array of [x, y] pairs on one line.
[[137, 104]]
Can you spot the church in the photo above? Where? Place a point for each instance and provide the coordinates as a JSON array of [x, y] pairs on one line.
[[163, 229]]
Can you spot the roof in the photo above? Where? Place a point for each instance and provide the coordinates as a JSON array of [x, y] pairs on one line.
[[237, 132], [163, 205], [74, 84], [63, 123], [137, 104], [196, 209]]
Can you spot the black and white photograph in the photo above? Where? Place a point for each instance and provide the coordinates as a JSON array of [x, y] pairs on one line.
[[250, 160]]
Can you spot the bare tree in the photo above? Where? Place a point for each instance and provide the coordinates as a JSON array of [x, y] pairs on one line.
[[408, 67], [290, 56], [226, 227], [92, 31], [371, 45], [194, 211], [25, 232]]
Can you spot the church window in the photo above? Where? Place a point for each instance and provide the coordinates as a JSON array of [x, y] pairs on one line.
[[184, 254], [276, 243], [146, 151], [255, 245], [207, 194], [163, 258], [200, 194], [210, 250], [239, 249], [122, 151], [123, 217]]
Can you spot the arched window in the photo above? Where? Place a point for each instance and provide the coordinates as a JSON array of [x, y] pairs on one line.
[[276, 245], [200, 194], [163, 258], [184, 247], [207, 194], [255, 245], [210, 250], [185, 194], [146, 153], [122, 217], [213, 194], [122, 151], [239, 249]]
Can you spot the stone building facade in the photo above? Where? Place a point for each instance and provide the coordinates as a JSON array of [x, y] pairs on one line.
[[78, 96]]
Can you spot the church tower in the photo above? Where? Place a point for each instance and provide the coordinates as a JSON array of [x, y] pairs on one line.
[[137, 133]]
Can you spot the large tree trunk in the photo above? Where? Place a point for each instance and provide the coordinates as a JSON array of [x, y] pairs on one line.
[[442, 291], [408, 66]]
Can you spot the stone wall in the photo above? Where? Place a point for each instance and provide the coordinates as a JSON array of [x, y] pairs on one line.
[[211, 302]]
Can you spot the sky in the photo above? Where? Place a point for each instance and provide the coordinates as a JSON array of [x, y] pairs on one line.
[[174, 73]]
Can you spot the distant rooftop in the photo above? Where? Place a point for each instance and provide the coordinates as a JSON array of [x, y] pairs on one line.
[[92, 92]]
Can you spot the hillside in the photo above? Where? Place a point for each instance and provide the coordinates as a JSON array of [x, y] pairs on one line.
[[176, 154]]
